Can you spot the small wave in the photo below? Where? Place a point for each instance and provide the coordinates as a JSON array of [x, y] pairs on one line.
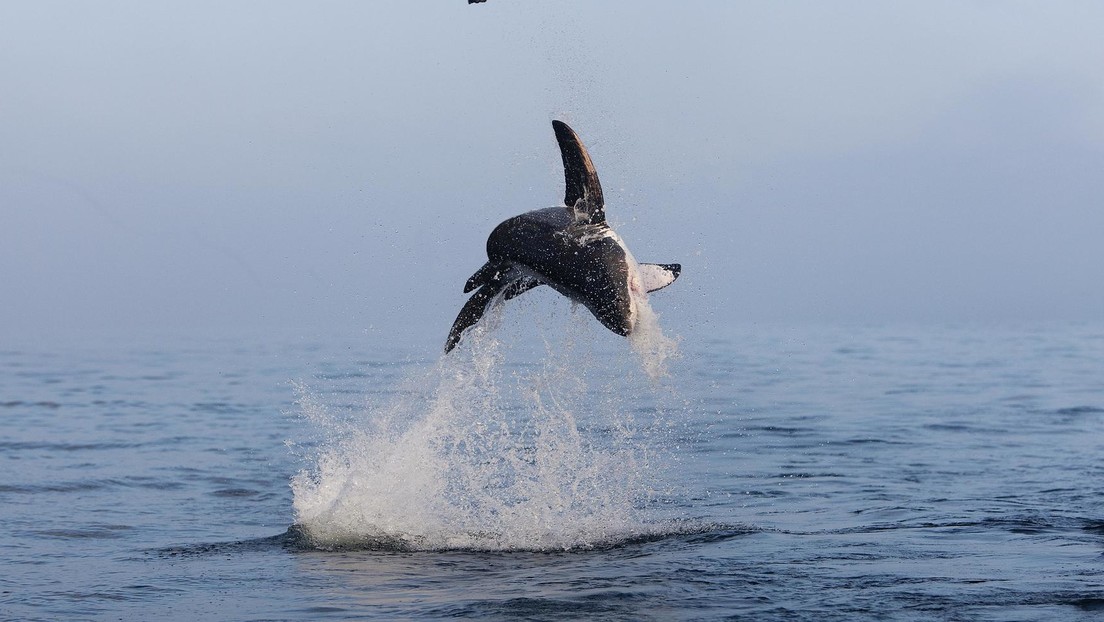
[[1076, 411], [297, 539], [691, 533], [1088, 603], [55, 446], [91, 532], [65, 486], [1024, 524], [219, 408], [235, 492], [1094, 526], [291, 540]]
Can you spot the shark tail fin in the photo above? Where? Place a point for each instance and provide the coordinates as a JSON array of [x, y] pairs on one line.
[[656, 276]]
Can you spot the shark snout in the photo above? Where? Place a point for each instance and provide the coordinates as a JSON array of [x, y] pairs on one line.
[[618, 315]]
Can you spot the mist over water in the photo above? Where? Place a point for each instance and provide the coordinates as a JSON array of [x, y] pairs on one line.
[[506, 444]]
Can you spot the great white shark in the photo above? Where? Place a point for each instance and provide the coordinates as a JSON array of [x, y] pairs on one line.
[[570, 248]]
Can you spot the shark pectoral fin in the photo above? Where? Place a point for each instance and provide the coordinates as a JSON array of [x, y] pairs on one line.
[[481, 276], [657, 276], [492, 280], [582, 190], [519, 287], [471, 312]]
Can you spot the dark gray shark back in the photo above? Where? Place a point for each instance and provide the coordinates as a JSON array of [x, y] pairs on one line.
[[582, 263]]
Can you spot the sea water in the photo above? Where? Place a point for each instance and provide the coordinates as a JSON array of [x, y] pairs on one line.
[[548, 470]]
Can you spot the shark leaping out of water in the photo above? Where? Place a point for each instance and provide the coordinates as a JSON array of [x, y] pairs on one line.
[[570, 248]]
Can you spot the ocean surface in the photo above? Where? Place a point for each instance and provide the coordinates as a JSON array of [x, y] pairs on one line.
[[895, 472]]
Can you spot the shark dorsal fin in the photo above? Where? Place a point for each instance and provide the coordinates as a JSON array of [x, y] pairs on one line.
[[583, 192]]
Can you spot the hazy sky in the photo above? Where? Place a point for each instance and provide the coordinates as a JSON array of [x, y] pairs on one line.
[[215, 166]]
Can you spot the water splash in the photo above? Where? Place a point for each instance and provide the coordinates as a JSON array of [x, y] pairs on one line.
[[650, 343], [481, 453]]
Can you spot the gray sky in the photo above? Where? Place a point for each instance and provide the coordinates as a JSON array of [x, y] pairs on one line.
[[215, 166]]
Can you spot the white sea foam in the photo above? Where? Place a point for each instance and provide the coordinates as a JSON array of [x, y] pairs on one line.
[[479, 453]]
